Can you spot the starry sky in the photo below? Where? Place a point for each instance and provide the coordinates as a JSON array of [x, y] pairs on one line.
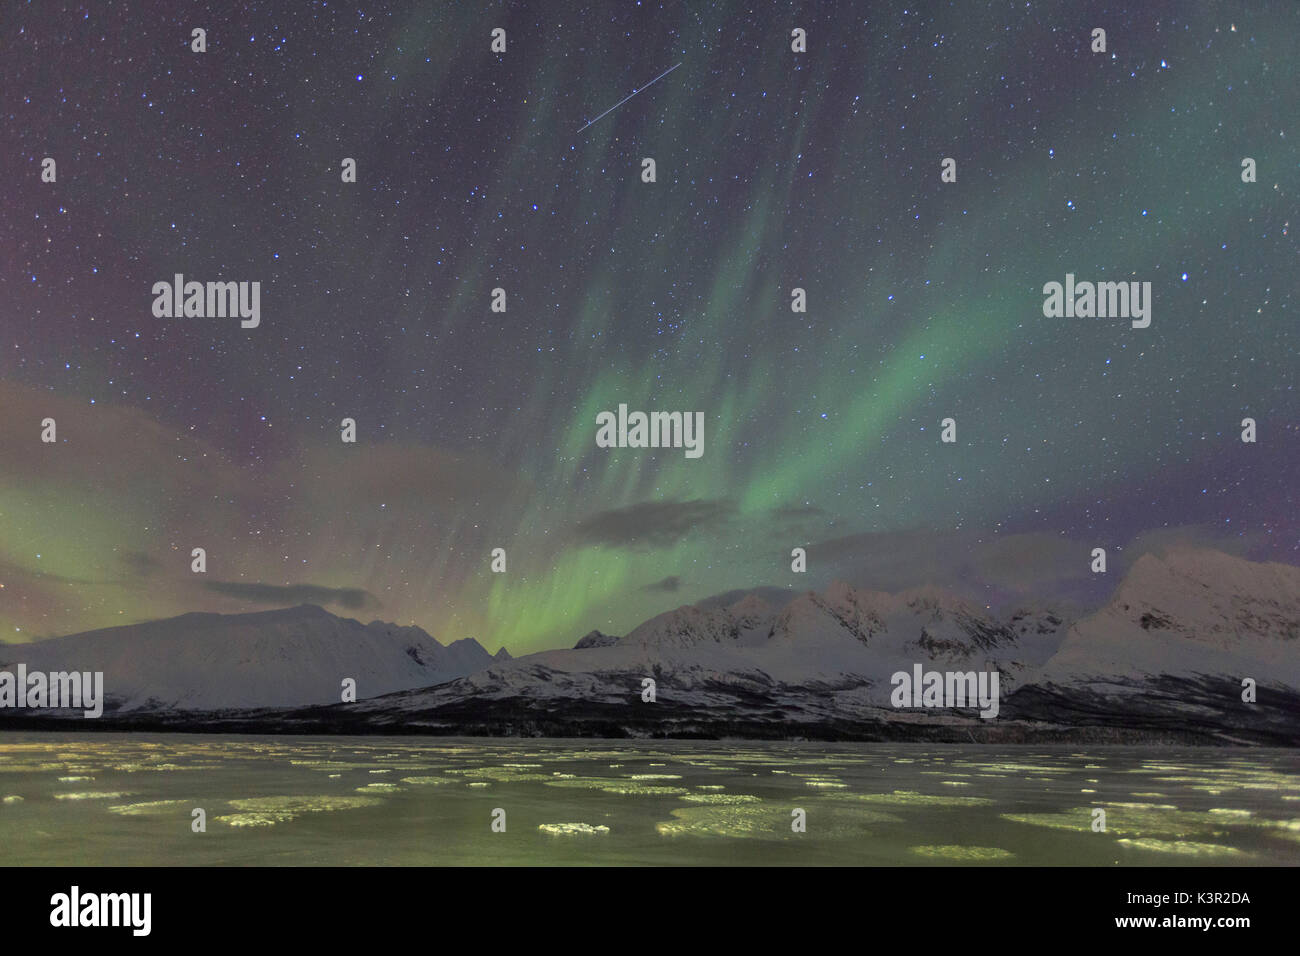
[[775, 170]]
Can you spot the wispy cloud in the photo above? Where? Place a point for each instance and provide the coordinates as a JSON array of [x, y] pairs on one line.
[[653, 524], [353, 598]]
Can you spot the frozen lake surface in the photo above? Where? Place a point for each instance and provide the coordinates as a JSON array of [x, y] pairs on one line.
[[115, 799]]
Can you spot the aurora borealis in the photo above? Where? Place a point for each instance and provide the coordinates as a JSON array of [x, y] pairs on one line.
[[775, 170]]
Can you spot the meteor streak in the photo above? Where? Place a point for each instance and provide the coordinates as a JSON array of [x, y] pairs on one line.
[[632, 94]]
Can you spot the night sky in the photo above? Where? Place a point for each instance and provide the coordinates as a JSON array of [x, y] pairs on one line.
[[775, 170]]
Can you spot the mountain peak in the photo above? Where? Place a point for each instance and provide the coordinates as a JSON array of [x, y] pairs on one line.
[[840, 592], [595, 639], [750, 607], [467, 642], [684, 627], [1209, 595]]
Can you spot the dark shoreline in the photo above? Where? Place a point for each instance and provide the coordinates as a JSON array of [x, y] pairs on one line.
[[1032, 715], [1016, 733]]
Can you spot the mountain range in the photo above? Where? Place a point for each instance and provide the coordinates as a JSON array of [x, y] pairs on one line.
[[1169, 657]]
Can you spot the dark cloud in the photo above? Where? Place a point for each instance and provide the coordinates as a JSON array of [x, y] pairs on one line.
[[352, 598], [796, 512], [795, 520], [141, 564], [670, 583], [653, 524], [10, 571]]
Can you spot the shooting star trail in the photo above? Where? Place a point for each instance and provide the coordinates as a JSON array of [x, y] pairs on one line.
[[632, 94]]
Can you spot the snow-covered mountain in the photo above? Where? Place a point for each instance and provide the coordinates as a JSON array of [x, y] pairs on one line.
[[1163, 660], [283, 658], [822, 658], [1191, 612], [1174, 651]]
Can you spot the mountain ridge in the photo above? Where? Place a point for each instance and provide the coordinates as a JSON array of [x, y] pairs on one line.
[[1165, 657]]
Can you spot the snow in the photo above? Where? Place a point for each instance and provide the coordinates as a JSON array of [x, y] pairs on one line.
[[1193, 612], [282, 658], [1188, 614], [832, 654]]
